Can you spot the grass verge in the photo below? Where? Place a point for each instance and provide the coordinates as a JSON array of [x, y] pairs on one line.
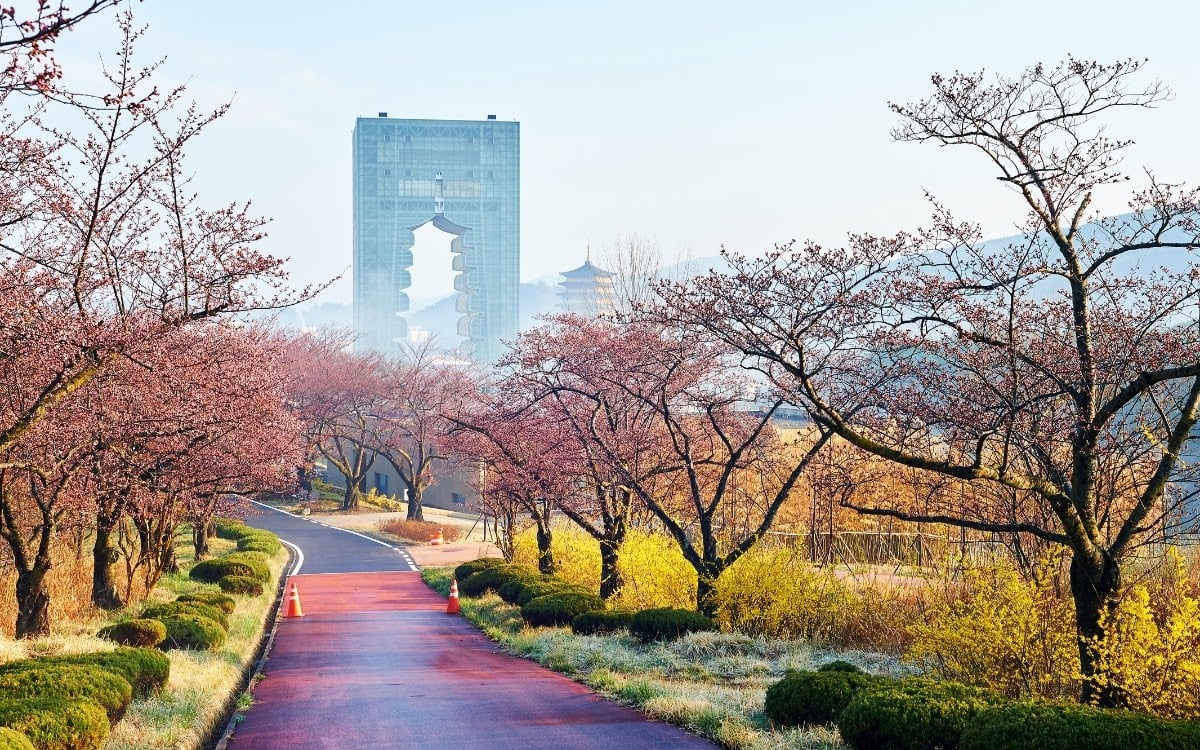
[[711, 683]]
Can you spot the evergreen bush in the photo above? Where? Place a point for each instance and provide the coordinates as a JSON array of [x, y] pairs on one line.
[[259, 541], [232, 528], [813, 697], [139, 632], [1029, 725], [559, 608], [56, 723], [235, 584], [248, 564], [170, 609], [601, 621], [212, 598], [838, 665], [471, 567], [491, 578], [667, 624], [546, 586], [912, 714], [146, 669], [511, 589], [192, 632], [110, 691], [11, 739]]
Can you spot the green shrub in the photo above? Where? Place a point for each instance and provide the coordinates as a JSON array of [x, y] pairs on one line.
[[559, 608], [232, 528], [912, 714], [813, 697], [510, 590], [145, 669], [212, 598], [11, 739], [259, 541], [110, 691], [839, 666], [194, 632], [139, 632], [471, 567], [248, 564], [601, 621], [56, 723], [667, 624], [490, 579], [170, 609], [244, 585], [546, 586], [1061, 726]]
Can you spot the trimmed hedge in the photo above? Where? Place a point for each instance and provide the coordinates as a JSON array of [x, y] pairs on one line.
[[248, 564], [840, 666], [668, 623], [490, 579], [11, 739], [813, 697], [912, 714], [56, 723], [259, 541], [193, 632], [240, 585], [140, 632], [1029, 725], [601, 621], [548, 586], [560, 607], [146, 669], [232, 528], [171, 609], [471, 567], [510, 590], [110, 691], [223, 602]]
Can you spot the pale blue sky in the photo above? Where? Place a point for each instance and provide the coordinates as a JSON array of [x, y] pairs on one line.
[[698, 123]]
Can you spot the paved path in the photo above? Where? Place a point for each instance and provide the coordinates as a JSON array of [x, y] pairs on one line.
[[377, 663], [323, 549]]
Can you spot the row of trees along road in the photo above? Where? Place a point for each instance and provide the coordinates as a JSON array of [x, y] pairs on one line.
[[131, 403], [1057, 374]]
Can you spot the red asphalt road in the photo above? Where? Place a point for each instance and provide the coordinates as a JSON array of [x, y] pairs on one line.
[[377, 663]]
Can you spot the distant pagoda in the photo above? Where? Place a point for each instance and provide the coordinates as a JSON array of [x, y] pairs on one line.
[[587, 290]]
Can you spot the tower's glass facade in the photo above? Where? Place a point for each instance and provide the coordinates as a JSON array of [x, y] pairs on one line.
[[474, 167]]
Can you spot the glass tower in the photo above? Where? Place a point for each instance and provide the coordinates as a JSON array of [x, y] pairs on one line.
[[464, 177]]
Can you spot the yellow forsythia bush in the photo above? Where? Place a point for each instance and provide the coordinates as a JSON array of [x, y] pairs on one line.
[[995, 630], [776, 593], [1153, 658], [653, 571]]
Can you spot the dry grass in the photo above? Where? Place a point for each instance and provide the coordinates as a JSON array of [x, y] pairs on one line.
[[712, 683], [420, 531]]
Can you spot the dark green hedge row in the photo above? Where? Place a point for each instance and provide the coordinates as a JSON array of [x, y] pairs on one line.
[[667, 624]]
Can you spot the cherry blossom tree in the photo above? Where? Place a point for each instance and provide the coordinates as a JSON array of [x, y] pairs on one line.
[[683, 432], [1063, 364]]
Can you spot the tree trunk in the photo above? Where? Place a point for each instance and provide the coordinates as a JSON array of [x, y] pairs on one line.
[[610, 576], [104, 556], [350, 497], [200, 539], [416, 505], [1094, 591], [33, 602], [706, 585], [545, 552]]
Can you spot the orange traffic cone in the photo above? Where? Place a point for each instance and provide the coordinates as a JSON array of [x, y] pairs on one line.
[[293, 603], [437, 539], [452, 606]]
